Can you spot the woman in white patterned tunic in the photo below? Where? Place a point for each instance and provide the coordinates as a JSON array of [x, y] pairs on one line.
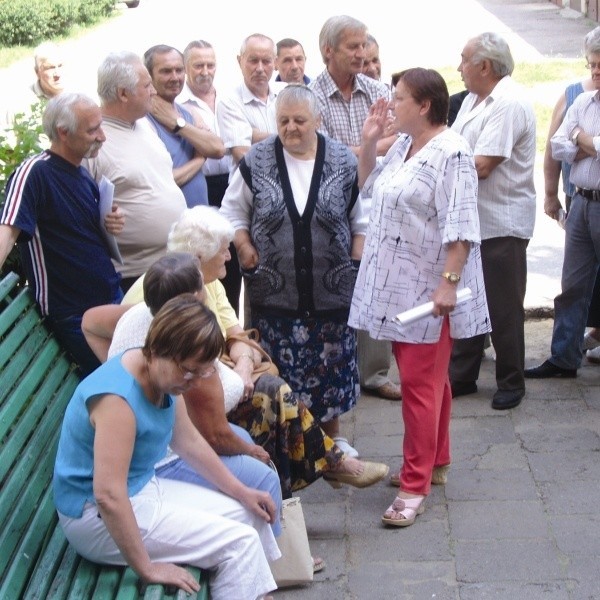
[[422, 245]]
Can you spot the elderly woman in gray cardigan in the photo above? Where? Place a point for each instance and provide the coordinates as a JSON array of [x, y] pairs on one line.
[[300, 227]]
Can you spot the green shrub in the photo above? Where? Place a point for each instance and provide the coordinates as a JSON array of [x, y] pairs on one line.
[[24, 22], [89, 12], [64, 15], [29, 22], [23, 140]]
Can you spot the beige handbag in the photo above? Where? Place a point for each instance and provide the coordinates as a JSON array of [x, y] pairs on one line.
[[251, 338], [295, 567]]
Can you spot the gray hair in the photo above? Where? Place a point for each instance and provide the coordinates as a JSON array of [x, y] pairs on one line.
[[591, 42], [258, 36], [490, 46], [371, 40], [333, 30], [117, 71], [45, 50], [194, 45], [60, 113], [298, 93], [201, 231], [153, 51]]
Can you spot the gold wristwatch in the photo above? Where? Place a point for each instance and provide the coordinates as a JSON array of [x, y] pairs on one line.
[[451, 277]]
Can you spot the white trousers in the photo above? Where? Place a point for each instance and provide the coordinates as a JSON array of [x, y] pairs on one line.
[[188, 524]]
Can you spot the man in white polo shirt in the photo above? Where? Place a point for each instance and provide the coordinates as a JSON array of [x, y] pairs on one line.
[[499, 124]]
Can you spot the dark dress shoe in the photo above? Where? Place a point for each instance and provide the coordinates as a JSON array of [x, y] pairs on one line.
[[505, 399], [463, 388], [548, 369]]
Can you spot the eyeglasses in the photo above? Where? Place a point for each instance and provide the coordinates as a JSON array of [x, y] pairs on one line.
[[593, 65], [189, 374]]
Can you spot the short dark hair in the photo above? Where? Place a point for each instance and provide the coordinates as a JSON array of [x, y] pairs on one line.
[[288, 43], [428, 84], [174, 274], [153, 51], [184, 328]]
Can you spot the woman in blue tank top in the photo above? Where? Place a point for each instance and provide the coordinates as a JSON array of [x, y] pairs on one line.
[[112, 507]]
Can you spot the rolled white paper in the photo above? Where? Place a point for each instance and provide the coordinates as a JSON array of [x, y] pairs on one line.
[[424, 310]]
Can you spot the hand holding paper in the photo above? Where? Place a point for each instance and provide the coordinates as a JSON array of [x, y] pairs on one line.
[[424, 310], [106, 201]]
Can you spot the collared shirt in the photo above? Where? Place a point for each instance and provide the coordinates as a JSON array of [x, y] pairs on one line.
[[341, 119], [503, 124], [420, 206], [584, 113], [305, 79], [242, 111], [212, 166]]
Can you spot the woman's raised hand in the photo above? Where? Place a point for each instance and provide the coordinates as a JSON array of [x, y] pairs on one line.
[[375, 124]]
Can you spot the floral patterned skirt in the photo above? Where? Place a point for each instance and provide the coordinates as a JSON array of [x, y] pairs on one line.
[[287, 431], [317, 357]]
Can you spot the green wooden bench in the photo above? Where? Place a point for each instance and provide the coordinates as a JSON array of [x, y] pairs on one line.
[[36, 383]]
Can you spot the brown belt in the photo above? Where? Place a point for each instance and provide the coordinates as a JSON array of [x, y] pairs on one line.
[[589, 194]]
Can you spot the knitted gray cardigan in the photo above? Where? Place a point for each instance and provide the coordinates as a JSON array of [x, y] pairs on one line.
[[304, 266]]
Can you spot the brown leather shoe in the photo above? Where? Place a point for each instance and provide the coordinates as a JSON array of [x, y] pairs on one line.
[[389, 391]]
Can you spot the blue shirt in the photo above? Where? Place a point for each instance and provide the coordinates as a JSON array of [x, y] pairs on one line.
[[181, 151], [74, 467], [63, 250]]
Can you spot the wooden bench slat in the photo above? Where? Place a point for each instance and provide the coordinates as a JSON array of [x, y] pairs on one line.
[[43, 416], [33, 376], [108, 583], [47, 566], [59, 589], [24, 558], [7, 284], [84, 581], [36, 382], [17, 516], [28, 322]]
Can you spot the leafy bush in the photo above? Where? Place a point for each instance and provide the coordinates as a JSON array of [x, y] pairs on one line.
[[23, 140], [28, 22]]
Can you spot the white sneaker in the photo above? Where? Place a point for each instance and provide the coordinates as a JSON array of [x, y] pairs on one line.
[[590, 342], [345, 447], [593, 356]]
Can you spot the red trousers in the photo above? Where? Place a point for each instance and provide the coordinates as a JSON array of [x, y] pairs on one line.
[[426, 408]]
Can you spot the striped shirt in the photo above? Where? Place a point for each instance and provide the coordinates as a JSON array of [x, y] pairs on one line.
[[584, 113], [54, 204], [343, 120]]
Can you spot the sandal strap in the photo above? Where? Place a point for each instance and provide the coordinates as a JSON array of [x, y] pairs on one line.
[[407, 507]]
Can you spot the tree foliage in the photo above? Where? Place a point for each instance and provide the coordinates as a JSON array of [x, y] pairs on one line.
[[24, 139]]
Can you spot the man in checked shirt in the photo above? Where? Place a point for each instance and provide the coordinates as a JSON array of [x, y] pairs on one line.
[[345, 96]]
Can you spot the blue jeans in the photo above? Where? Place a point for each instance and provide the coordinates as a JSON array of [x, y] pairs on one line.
[[250, 471], [580, 265]]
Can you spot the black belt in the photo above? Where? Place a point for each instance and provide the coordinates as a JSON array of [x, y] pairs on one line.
[[589, 194]]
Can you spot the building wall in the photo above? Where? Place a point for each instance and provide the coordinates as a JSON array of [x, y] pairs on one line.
[[590, 8]]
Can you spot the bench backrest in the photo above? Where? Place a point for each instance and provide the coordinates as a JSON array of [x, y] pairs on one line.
[[36, 382]]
